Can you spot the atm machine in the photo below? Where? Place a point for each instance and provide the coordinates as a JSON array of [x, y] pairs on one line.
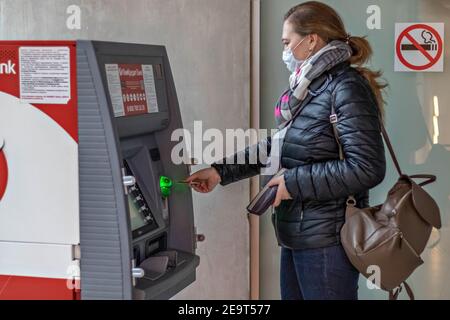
[[143, 245], [135, 224]]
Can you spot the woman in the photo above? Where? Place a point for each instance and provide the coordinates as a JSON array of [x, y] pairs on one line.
[[311, 196]]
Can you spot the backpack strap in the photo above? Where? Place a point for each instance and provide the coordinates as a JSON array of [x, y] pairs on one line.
[[334, 120], [430, 178], [393, 294], [351, 201]]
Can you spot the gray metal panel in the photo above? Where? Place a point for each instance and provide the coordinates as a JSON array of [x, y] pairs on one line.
[[105, 240], [181, 235]]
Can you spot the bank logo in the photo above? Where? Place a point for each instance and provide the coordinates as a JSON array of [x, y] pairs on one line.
[[7, 67]]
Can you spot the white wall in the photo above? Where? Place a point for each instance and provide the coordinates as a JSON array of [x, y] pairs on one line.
[[208, 43]]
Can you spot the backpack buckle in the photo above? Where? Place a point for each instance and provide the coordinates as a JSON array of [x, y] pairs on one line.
[[334, 118]]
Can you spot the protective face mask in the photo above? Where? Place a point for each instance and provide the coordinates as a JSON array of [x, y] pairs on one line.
[[289, 59]]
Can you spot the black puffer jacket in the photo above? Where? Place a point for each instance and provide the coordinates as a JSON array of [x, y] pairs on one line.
[[317, 180]]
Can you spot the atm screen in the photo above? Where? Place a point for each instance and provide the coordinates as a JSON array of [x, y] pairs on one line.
[[141, 217], [136, 217]]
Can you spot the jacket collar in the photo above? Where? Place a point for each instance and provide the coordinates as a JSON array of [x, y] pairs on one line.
[[321, 83], [339, 68]]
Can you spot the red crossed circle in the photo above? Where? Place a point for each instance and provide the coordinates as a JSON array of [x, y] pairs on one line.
[[406, 33]]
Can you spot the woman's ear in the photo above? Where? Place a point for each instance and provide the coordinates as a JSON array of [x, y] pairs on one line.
[[315, 43], [313, 40]]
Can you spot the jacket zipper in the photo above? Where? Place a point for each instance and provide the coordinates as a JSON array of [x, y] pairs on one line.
[[400, 234], [409, 245], [397, 233]]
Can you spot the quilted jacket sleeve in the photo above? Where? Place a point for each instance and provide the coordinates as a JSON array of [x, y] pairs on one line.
[[364, 165], [243, 164]]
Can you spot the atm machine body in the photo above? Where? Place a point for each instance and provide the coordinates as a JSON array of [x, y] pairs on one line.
[[136, 232], [138, 146]]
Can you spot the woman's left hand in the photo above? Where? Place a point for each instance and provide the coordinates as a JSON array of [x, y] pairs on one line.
[[282, 192]]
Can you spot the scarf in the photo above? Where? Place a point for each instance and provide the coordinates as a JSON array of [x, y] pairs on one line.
[[325, 59]]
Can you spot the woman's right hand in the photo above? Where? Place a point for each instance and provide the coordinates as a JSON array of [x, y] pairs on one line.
[[205, 180]]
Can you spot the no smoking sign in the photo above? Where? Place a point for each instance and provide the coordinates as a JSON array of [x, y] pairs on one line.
[[419, 47]]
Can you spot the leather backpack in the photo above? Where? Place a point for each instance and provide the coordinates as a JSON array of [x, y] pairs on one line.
[[390, 236]]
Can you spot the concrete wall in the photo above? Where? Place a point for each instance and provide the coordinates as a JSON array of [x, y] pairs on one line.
[[208, 43], [409, 113]]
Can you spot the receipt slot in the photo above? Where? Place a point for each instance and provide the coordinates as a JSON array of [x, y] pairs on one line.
[[124, 223]]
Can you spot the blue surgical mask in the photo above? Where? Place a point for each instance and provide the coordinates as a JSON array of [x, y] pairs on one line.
[[289, 59]]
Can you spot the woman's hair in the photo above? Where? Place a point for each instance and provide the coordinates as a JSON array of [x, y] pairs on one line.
[[313, 17]]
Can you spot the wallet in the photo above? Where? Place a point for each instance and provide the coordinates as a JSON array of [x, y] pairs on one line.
[[264, 199]]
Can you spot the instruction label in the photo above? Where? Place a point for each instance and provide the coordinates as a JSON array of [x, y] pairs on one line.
[[132, 89], [44, 75]]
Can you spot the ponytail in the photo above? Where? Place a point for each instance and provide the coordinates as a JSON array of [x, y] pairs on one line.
[[362, 52]]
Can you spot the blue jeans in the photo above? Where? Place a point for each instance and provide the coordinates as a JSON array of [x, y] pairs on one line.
[[317, 274]]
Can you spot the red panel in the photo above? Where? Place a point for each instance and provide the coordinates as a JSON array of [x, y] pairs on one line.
[[29, 288], [66, 114], [3, 174]]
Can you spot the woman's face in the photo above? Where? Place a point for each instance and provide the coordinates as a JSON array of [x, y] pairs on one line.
[[291, 39]]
